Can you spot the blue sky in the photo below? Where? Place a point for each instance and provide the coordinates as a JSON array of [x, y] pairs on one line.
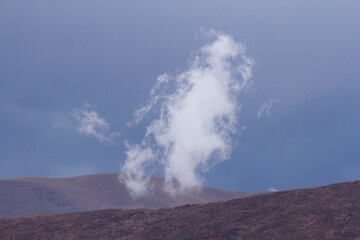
[[56, 57]]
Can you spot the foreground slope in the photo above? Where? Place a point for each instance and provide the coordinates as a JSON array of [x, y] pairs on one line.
[[21, 196], [330, 212]]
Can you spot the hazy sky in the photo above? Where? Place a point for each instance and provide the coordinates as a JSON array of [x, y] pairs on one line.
[[72, 73]]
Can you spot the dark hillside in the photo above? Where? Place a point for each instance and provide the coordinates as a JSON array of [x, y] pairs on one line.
[[329, 212]]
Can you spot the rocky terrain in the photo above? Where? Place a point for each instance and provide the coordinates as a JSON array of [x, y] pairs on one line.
[[21, 196], [329, 212]]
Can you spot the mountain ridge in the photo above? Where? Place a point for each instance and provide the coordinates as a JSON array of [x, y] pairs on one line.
[[28, 195]]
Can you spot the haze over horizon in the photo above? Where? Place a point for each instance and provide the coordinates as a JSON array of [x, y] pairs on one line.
[[72, 75]]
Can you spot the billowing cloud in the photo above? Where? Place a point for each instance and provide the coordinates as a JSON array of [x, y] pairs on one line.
[[195, 116], [89, 123], [265, 108]]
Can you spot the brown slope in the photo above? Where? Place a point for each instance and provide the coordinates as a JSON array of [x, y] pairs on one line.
[[63, 195], [330, 212]]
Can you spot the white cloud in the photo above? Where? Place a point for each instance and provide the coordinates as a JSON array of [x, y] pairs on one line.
[[272, 189], [265, 108], [134, 177], [91, 124], [155, 95], [196, 115]]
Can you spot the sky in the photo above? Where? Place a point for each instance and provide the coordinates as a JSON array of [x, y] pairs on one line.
[[73, 74]]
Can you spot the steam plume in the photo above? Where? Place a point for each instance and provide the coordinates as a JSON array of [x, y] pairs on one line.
[[196, 116], [91, 124], [266, 106]]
